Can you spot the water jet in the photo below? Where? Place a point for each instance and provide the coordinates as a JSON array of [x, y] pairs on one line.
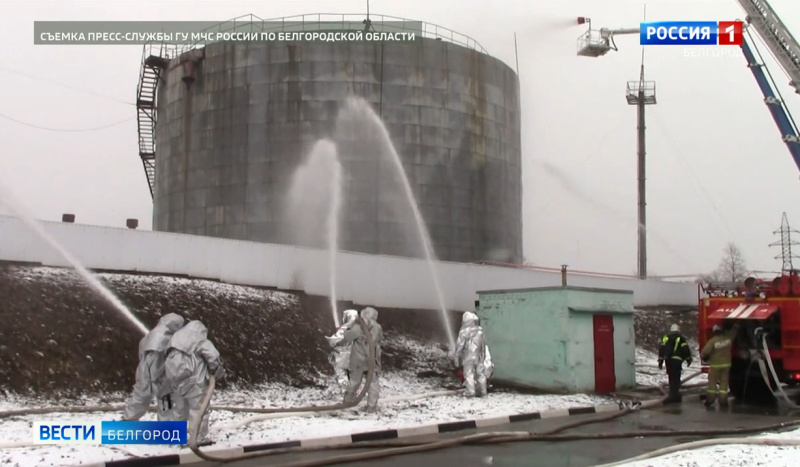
[[358, 110], [22, 214], [333, 230], [315, 195]]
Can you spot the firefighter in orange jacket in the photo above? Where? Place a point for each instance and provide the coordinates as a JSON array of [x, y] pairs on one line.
[[717, 352], [674, 350]]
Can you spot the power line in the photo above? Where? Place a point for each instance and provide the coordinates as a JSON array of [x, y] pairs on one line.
[[65, 130], [66, 86], [612, 129], [679, 156]]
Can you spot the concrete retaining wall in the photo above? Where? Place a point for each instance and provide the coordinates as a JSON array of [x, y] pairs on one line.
[[379, 280]]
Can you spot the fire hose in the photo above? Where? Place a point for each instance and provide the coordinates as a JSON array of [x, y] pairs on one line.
[[194, 429], [706, 443], [409, 449], [400, 447], [405, 447], [503, 437], [767, 369], [264, 411], [763, 355], [508, 437], [262, 417], [683, 381]]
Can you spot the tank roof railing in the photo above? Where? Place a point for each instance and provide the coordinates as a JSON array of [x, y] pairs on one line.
[[252, 23]]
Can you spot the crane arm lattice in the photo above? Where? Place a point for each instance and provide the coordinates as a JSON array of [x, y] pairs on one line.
[[776, 36]]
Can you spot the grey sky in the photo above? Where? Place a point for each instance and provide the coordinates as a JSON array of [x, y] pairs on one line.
[[717, 168]]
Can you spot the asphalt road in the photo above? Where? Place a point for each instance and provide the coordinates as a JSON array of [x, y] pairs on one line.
[[691, 415]]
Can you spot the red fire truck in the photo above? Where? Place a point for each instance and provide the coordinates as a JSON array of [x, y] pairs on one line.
[[767, 346]]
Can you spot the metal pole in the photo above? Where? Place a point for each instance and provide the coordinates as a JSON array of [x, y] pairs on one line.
[[641, 186], [641, 189]]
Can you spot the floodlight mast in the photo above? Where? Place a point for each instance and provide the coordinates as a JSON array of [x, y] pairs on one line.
[[596, 43]]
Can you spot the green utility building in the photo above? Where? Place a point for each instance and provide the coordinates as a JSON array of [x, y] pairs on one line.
[[563, 339]]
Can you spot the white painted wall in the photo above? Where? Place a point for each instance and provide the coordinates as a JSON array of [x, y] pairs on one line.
[[367, 279]]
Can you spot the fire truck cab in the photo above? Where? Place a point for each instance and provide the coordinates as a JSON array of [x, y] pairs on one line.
[[767, 312]]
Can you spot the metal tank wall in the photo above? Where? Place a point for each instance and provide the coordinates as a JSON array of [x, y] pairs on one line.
[[229, 143]]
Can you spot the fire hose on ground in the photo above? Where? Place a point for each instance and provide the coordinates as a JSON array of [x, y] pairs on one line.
[[258, 418], [266, 413], [405, 447], [683, 381], [259, 410], [507, 437], [706, 443], [195, 428], [401, 447]]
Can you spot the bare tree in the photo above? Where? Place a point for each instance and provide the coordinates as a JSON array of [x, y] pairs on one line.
[[732, 267]]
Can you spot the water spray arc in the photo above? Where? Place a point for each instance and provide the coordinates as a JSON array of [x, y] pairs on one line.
[[317, 190], [574, 189], [358, 108], [333, 231], [313, 207], [90, 278]]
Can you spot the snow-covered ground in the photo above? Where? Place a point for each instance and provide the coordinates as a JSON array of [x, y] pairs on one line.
[[232, 429], [149, 282], [732, 455], [167, 283], [648, 374]]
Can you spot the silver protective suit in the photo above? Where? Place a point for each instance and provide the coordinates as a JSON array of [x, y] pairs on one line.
[[470, 355], [150, 381], [340, 356], [359, 354], [191, 357]]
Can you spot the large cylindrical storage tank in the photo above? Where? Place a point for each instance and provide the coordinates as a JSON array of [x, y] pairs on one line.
[[235, 125]]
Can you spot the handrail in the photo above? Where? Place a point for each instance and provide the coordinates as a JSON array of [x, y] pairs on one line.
[[252, 23], [533, 267]]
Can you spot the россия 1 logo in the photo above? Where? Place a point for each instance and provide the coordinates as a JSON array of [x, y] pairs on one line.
[[692, 33]]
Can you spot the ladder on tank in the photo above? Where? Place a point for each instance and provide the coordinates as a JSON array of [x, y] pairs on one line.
[[155, 59]]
